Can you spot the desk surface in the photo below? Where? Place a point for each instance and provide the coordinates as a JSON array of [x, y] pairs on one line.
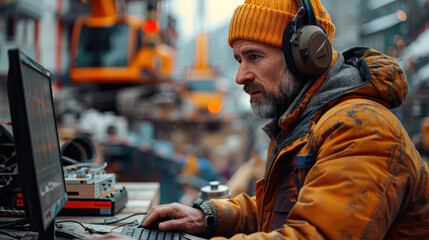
[[141, 197]]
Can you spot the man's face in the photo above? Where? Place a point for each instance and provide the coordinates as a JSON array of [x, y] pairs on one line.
[[264, 76]]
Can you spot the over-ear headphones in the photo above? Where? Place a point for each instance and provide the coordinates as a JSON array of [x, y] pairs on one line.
[[306, 46]]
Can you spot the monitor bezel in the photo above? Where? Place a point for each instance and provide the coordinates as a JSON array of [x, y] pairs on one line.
[[27, 175]]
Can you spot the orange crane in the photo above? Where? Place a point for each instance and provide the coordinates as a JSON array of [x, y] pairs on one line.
[[203, 88], [109, 47]]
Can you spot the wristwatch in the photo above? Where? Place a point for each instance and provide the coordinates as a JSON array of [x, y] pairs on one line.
[[209, 215]]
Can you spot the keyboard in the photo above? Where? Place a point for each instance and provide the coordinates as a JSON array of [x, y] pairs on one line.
[[135, 232]]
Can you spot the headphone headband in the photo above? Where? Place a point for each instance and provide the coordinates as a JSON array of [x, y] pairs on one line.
[[308, 13]]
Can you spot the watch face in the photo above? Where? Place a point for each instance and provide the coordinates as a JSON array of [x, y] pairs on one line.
[[210, 220]]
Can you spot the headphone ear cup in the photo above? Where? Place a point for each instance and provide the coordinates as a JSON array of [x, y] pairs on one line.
[[311, 50]]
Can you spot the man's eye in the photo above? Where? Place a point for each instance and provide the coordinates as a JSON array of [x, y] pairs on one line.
[[254, 57]]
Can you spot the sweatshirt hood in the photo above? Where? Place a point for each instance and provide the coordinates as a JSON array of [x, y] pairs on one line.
[[358, 72]]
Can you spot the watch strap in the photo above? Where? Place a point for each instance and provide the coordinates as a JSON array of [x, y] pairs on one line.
[[210, 214]]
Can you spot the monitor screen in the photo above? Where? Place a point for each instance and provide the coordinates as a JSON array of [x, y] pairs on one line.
[[44, 138], [36, 138]]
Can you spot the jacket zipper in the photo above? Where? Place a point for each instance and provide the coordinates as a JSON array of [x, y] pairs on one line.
[[286, 146], [270, 169]]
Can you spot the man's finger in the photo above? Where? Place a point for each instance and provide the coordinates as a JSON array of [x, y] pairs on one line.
[[155, 213], [174, 224]]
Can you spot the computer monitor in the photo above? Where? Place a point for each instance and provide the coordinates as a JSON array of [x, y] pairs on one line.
[[38, 153]]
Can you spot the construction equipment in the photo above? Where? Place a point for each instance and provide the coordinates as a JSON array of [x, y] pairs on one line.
[[109, 47], [203, 90]]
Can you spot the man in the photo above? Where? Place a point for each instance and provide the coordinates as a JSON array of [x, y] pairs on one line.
[[340, 165]]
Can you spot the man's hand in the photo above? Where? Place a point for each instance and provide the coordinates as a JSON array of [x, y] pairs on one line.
[[186, 219]]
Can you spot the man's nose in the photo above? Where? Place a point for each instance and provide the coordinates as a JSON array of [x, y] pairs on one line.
[[244, 75]]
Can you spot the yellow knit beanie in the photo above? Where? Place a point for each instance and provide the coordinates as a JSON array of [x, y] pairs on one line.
[[265, 20]]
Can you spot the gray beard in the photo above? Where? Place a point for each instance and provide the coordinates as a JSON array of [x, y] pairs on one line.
[[265, 108], [271, 106]]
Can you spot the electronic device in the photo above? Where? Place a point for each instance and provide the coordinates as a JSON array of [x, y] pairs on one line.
[[7, 153], [306, 46], [40, 177], [92, 191], [83, 184], [106, 205]]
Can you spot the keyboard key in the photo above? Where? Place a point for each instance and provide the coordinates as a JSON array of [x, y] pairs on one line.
[[161, 235], [145, 234], [130, 231], [150, 234], [137, 233], [177, 236], [153, 234]]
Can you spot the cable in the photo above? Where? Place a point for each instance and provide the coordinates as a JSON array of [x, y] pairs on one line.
[[119, 220], [2, 156], [72, 221], [11, 223], [125, 224], [106, 222], [11, 156], [25, 227], [8, 174], [88, 229], [12, 235], [99, 167]]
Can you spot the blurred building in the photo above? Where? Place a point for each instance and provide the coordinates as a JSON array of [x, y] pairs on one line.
[[400, 28], [345, 16], [390, 25], [36, 28]]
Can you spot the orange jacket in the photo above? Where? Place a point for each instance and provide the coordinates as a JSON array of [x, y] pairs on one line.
[[425, 134], [342, 167]]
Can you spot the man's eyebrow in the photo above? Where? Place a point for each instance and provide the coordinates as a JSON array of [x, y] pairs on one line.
[[250, 51], [247, 52]]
